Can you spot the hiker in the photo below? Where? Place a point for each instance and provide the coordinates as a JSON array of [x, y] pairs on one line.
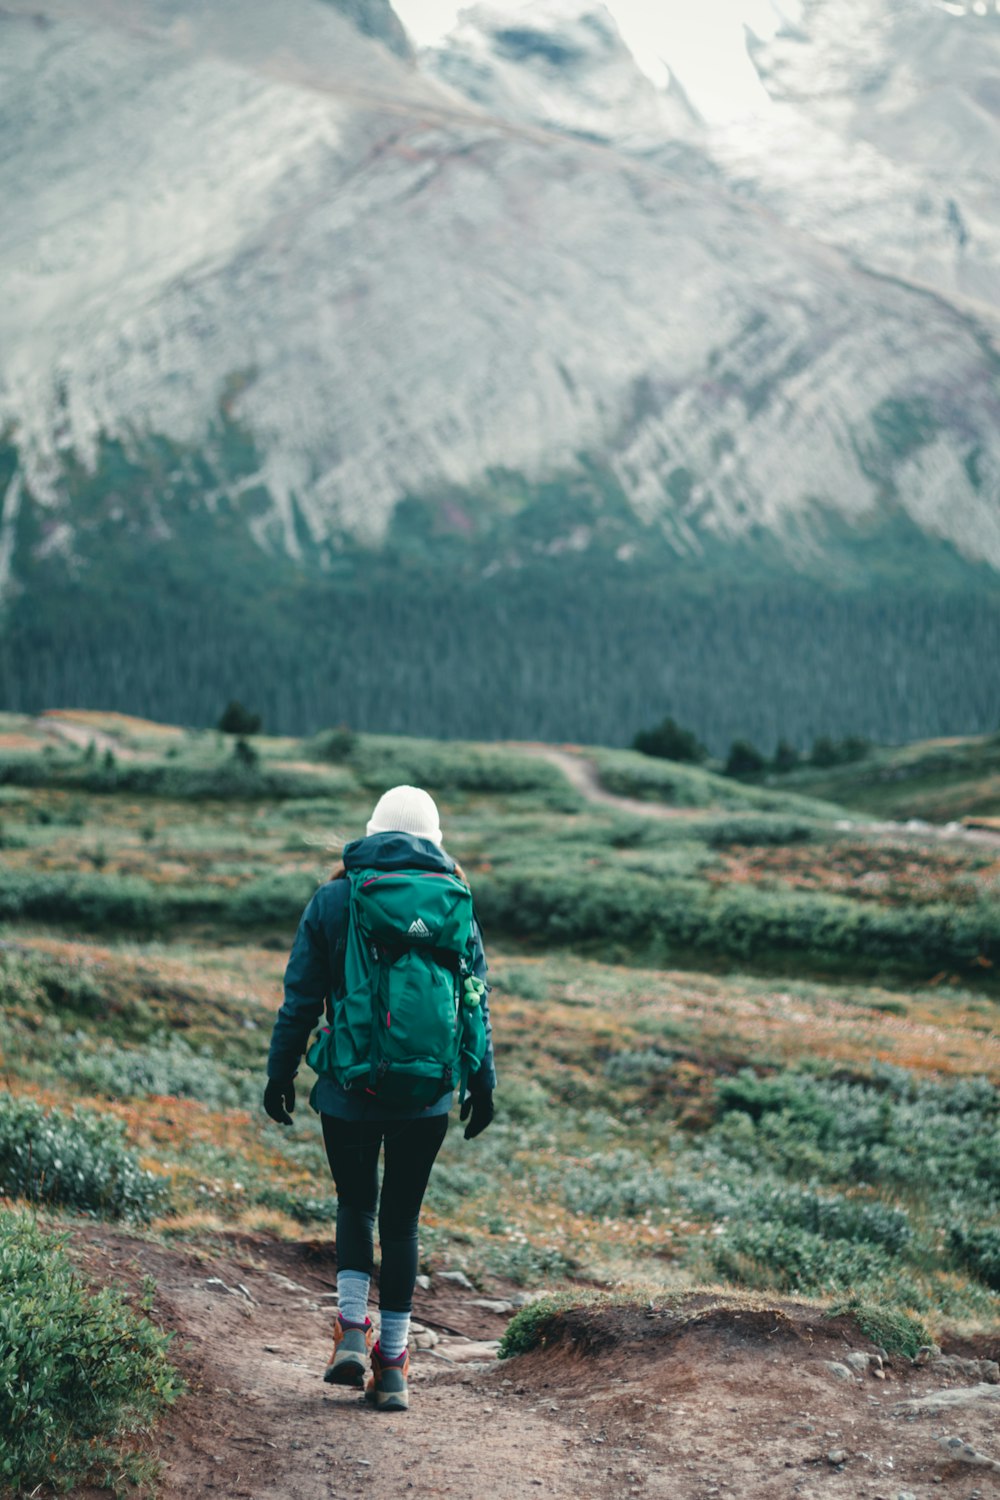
[[391, 933]]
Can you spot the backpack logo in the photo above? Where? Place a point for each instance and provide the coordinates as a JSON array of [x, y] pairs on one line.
[[417, 928]]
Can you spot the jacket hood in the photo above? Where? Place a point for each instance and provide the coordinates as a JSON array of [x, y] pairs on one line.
[[396, 851]]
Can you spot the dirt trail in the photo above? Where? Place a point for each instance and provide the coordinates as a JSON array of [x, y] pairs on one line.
[[728, 1400], [583, 775], [82, 735]]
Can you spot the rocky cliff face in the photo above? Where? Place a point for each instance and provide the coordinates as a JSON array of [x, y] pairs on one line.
[[885, 137], [270, 224]]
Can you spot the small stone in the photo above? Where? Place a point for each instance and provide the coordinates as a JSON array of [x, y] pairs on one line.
[[906, 1495], [493, 1305], [424, 1283], [926, 1354], [935, 1401], [957, 1448], [837, 1456], [839, 1371], [858, 1361], [457, 1278]]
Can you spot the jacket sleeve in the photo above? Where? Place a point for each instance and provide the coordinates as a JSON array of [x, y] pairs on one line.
[[486, 1078], [308, 978]]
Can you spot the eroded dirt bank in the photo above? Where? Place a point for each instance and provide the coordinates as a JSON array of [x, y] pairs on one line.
[[724, 1397]]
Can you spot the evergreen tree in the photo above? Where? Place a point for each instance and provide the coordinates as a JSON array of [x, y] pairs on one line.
[[236, 719], [786, 757], [744, 759], [669, 741]]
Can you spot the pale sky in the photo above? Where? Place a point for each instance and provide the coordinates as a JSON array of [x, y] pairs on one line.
[[701, 41]]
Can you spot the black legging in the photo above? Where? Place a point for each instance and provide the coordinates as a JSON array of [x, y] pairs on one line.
[[352, 1147]]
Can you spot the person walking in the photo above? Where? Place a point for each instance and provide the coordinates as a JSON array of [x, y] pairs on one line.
[[371, 1094]]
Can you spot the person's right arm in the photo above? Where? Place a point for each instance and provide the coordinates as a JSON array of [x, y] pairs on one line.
[[308, 982]]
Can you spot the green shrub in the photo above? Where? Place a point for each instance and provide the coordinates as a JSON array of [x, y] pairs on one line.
[[334, 745], [165, 1065], [531, 1327], [661, 915], [456, 766], [79, 1369], [92, 900], [524, 982], [79, 1160], [638, 1066], [304, 1210], [272, 898], [898, 1130], [613, 1184], [892, 1329], [759, 830], [761, 1253], [979, 1251]]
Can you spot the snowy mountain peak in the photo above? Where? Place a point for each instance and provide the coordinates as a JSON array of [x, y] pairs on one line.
[[560, 63]]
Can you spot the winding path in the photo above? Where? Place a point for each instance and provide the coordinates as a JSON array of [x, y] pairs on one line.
[[582, 774]]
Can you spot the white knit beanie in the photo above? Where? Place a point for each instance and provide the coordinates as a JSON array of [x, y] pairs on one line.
[[406, 809]]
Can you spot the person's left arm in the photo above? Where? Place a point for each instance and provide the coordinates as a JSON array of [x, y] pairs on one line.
[[486, 1077]]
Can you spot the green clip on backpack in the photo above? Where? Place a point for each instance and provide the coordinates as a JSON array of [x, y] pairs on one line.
[[409, 1027]]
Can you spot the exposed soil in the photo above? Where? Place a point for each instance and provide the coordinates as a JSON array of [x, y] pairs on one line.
[[719, 1396]]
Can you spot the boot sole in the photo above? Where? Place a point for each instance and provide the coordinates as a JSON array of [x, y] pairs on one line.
[[347, 1372], [390, 1401]]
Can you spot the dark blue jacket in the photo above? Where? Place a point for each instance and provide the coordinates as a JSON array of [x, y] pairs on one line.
[[312, 980]]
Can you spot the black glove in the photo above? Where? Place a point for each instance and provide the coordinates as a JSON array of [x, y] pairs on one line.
[[478, 1103], [279, 1099]]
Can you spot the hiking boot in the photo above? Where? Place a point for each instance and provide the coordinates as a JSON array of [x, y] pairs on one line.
[[351, 1345], [386, 1388]]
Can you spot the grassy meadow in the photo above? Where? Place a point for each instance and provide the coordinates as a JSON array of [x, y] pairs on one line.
[[753, 1044]]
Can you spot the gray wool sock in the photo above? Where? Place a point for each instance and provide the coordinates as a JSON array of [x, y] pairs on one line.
[[393, 1333], [352, 1294]]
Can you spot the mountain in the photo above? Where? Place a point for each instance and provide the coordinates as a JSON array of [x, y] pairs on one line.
[[884, 138], [295, 326]]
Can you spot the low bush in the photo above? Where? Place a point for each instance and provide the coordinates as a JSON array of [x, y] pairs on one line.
[[272, 898], [638, 1066], [456, 766], [78, 1160], [898, 1131], [110, 901], [301, 1208], [663, 916], [80, 1369], [165, 1065], [91, 900], [758, 830], [613, 1184], [793, 1259], [524, 982], [629, 774], [893, 1329], [236, 777], [531, 1327], [333, 745], [978, 1249]]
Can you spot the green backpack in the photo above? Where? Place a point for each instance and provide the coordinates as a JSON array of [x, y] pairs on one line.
[[409, 1026]]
